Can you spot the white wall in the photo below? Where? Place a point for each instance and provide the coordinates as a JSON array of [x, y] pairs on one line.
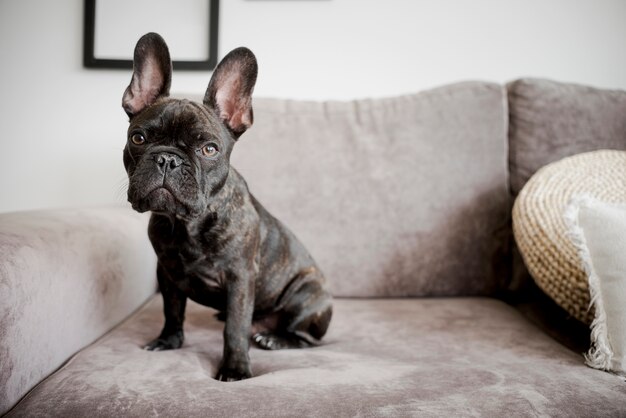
[[62, 129]]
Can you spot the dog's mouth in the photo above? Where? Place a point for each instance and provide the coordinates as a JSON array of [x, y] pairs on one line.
[[162, 192], [159, 199], [162, 199]]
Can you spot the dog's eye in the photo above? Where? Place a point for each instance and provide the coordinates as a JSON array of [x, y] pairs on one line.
[[137, 139], [209, 150]]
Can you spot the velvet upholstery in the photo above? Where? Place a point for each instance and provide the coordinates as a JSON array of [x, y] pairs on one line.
[[66, 277], [403, 196], [394, 197], [393, 357]]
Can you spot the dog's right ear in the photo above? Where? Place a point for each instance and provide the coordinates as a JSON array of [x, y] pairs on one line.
[[230, 90], [152, 74]]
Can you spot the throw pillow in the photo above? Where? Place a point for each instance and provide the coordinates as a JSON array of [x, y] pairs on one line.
[[598, 231]]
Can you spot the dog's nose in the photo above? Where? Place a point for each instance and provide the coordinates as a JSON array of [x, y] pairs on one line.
[[168, 161]]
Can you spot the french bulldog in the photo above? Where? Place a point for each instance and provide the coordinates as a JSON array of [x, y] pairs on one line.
[[215, 243]]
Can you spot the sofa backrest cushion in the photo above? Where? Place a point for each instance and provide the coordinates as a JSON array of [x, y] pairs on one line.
[[548, 121], [551, 120], [404, 196]]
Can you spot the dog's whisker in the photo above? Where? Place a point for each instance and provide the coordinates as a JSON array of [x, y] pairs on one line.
[[122, 187]]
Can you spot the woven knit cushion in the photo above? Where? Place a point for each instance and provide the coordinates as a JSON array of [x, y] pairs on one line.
[[541, 231]]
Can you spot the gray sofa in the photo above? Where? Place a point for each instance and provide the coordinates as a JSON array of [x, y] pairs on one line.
[[404, 202]]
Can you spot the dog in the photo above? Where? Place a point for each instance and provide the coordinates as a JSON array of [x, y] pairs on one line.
[[215, 243]]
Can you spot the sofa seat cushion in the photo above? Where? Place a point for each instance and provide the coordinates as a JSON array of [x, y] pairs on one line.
[[381, 357]]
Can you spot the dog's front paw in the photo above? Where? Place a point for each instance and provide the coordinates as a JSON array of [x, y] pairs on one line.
[[169, 342], [227, 374]]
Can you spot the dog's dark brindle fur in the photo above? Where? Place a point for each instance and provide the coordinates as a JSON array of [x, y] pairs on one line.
[[215, 243]]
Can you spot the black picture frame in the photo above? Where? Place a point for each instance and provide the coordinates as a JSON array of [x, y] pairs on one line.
[[91, 61]]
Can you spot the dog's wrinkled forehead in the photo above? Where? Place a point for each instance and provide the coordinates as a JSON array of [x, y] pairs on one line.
[[179, 121]]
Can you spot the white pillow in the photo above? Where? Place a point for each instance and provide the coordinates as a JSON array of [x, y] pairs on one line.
[[598, 231]]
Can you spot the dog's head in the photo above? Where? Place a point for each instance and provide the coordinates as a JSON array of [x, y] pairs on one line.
[[177, 154]]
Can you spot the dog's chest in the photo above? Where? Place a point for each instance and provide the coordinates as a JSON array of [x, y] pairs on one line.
[[200, 267], [201, 263], [194, 261]]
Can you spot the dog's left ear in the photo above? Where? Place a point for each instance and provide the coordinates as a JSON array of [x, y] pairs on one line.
[[230, 90], [152, 74]]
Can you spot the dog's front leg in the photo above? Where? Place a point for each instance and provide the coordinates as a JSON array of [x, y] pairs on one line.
[[239, 308], [174, 302]]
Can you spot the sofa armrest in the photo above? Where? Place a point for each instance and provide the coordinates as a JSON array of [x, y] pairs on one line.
[[66, 278]]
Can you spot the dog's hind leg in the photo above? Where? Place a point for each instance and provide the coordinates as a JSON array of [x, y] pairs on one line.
[[304, 319]]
